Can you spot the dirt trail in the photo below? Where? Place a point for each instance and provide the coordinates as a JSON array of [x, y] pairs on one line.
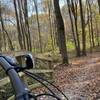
[[80, 80]]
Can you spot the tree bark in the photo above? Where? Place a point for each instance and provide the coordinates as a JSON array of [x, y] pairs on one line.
[[18, 25], [74, 12], [83, 29], [50, 24], [91, 21], [27, 25], [4, 30], [60, 32], [99, 5], [38, 23]]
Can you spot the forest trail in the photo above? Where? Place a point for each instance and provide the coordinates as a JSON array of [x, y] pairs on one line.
[[81, 79]]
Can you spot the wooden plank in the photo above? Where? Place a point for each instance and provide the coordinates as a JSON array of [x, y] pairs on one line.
[[33, 86], [37, 85], [6, 79], [42, 58], [11, 98], [16, 53], [41, 71]]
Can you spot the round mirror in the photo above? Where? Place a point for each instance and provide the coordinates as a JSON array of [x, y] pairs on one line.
[[25, 61]]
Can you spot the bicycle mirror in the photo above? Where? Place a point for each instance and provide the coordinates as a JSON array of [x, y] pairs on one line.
[[25, 61]]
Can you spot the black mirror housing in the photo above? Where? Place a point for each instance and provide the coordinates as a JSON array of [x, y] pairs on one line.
[[29, 61], [25, 61]]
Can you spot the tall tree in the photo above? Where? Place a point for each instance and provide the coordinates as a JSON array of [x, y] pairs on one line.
[[18, 25], [0, 39], [99, 5], [83, 29], [21, 12], [4, 30], [91, 22], [74, 7], [60, 32], [38, 23], [27, 25], [22, 25], [89, 27], [50, 22]]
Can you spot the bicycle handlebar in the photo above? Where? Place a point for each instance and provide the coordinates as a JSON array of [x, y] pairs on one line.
[[20, 89]]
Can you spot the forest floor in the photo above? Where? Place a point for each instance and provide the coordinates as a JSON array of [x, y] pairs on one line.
[[81, 79]]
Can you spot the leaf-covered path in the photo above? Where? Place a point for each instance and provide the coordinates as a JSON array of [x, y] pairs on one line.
[[81, 79]]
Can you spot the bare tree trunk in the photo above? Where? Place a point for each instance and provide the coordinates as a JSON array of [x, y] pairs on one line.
[[0, 40], [60, 32], [89, 28], [27, 25], [40, 40], [18, 25], [83, 29], [97, 33], [50, 24], [22, 26], [71, 19], [99, 5], [74, 11], [4, 30], [91, 21]]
